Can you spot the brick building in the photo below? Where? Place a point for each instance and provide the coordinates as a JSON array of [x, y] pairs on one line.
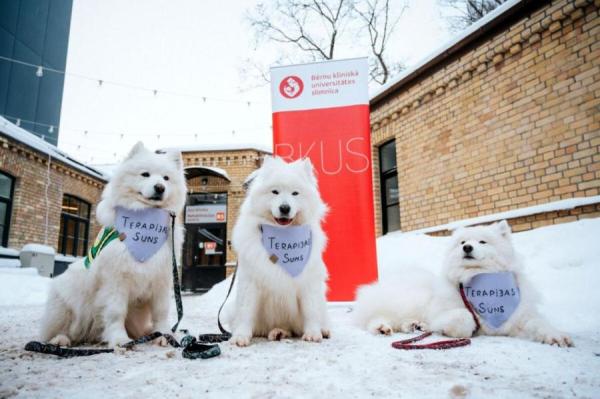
[[46, 197], [505, 117], [215, 177]]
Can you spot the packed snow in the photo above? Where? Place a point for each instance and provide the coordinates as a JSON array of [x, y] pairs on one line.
[[563, 261]]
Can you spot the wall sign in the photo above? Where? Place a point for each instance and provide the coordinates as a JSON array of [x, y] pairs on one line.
[[321, 111], [195, 214]]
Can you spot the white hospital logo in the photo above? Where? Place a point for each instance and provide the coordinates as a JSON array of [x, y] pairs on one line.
[[291, 87]]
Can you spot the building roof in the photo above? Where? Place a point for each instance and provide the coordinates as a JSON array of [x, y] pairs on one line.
[[454, 46], [224, 147], [36, 143]]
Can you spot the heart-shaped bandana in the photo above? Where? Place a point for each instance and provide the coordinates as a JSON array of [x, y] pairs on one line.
[[288, 246], [494, 296], [145, 230]]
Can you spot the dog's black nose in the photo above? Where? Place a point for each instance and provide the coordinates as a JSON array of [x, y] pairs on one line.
[[159, 188], [284, 209], [467, 248]]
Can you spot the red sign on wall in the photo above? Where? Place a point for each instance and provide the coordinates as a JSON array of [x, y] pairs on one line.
[[321, 111]]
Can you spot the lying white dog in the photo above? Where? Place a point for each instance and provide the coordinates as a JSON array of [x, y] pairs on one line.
[[481, 263], [123, 292], [281, 282]]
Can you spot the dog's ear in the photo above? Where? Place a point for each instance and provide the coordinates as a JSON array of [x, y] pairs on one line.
[[308, 168], [176, 157], [268, 161], [137, 148], [504, 228]]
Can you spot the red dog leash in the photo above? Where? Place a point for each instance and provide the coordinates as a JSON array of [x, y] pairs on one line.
[[445, 344], [407, 344]]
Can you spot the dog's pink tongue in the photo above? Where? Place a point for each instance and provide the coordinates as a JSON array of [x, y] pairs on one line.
[[283, 222]]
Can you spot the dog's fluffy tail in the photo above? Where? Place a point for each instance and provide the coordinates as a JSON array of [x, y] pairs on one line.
[[395, 300]]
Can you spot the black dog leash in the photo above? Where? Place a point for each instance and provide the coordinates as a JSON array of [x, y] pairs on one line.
[[191, 348], [225, 335]]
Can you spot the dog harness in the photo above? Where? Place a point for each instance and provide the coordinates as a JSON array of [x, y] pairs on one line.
[[493, 297], [289, 246], [142, 231], [105, 236]]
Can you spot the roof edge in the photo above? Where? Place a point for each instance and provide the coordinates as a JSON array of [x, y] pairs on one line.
[[468, 37]]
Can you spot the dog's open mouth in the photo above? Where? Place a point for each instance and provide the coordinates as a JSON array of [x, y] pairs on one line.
[[283, 221], [468, 257]]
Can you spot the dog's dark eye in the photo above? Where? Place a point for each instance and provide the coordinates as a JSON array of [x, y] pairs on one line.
[[462, 243], [295, 193], [166, 177], [146, 174], [275, 192], [482, 242]]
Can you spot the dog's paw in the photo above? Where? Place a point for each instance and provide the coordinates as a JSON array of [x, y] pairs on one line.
[[326, 333], [160, 341], [117, 341], [409, 326], [312, 336], [460, 325], [380, 326], [277, 334], [60, 340], [558, 339], [240, 340]]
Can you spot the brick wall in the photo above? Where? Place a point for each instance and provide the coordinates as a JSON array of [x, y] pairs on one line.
[[512, 122], [28, 217]]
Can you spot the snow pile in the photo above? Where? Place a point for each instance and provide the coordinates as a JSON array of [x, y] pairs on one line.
[[563, 261], [22, 287], [38, 248]]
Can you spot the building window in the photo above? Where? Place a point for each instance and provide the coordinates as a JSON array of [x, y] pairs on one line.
[[6, 194], [390, 197], [74, 226]]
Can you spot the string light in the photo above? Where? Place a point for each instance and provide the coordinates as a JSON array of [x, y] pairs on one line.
[[40, 71], [120, 135]]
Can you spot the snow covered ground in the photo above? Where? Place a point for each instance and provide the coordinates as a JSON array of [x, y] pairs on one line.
[[563, 261]]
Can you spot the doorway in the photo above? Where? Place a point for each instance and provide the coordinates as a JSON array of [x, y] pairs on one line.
[[205, 246]]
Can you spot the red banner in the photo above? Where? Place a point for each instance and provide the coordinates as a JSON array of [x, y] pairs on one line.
[[321, 111]]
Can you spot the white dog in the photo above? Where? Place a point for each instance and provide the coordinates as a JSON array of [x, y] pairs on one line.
[[123, 293], [483, 262], [281, 282]]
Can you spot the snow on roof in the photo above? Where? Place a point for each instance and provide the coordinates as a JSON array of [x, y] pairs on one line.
[[223, 147], [515, 213], [444, 50], [21, 135], [218, 171]]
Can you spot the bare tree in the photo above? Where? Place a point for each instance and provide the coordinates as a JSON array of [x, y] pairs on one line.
[[469, 11], [311, 30], [380, 24], [311, 26]]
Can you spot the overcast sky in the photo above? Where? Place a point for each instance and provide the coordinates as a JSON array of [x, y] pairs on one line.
[[184, 46]]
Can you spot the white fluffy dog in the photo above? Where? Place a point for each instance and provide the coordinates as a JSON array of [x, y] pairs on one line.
[[118, 297], [280, 294], [420, 299]]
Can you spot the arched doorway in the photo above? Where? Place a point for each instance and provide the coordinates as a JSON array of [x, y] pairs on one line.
[[205, 216]]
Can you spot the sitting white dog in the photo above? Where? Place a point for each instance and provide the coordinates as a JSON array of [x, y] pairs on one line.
[[281, 282], [123, 292], [480, 262]]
